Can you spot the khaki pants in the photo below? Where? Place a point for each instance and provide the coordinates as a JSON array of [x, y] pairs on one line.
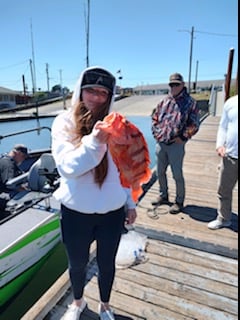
[[227, 179]]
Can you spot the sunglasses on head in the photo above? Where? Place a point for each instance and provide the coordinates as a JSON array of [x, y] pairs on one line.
[[174, 85]]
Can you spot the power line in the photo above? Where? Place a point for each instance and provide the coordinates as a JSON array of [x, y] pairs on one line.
[[192, 32], [217, 34], [13, 65]]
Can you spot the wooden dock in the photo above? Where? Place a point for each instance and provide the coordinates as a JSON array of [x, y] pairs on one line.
[[191, 272]]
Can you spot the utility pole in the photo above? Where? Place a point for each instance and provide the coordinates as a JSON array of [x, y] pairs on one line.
[[24, 89], [47, 77], [190, 61], [190, 57], [62, 91], [31, 68], [87, 22], [33, 63], [60, 74], [24, 86], [229, 74], [196, 75], [120, 77]]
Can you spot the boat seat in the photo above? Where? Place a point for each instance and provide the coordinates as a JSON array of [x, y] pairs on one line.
[[42, 173], [42, 180]]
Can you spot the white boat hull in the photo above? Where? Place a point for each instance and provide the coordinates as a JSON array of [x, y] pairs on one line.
[[25, 240]]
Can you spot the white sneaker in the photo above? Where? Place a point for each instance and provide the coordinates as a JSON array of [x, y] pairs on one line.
[[217, 224], [73, 312], [106, 314]]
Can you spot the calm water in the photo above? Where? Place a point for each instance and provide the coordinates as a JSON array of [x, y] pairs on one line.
[[57, 262], [35, 140]]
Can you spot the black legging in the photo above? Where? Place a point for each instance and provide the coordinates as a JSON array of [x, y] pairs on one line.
[[79, 230]]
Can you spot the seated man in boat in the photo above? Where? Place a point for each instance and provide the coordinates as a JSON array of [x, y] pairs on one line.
[[9, 168]]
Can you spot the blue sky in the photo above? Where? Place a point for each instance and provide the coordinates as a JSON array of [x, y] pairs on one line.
[[146, 39]]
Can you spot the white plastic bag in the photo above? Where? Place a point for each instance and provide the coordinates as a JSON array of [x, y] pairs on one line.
[[131, 249]]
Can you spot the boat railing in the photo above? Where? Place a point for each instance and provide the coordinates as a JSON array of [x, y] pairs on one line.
[[24, 131]]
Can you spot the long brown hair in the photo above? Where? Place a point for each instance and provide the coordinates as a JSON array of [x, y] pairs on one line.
[[84, 122]]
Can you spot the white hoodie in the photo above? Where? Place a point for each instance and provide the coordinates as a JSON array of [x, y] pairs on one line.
[[78, 190]]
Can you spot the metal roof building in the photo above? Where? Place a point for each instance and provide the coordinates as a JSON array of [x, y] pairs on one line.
[[163, 88]]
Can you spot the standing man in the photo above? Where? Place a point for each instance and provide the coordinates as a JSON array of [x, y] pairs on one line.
[[174, 121], [227, 149]]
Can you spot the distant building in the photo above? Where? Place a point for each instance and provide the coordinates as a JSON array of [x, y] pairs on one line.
[[7, 98], [163, 88]]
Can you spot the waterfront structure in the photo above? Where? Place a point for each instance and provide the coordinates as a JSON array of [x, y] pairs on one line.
[[7, 98], [162, 88]]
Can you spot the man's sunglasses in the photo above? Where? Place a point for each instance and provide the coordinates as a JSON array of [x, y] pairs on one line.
[[174, 85]]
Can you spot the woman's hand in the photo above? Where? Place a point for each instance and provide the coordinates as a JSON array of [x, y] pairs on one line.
[[131, 216], [99, 133]]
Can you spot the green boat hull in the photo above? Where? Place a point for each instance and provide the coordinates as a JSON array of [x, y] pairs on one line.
[[25, 256], [13, 287]]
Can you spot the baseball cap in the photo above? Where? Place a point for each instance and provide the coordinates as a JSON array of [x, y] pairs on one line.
[[98, 78], [22, 148], [176, 78]]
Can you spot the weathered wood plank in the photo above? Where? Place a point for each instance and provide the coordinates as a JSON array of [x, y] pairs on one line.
[[179, 289], [188, 302], [201, 177], [196, 257], [176, 273], [137, 302]]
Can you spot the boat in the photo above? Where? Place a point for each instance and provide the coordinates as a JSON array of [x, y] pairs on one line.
[[29, 225]]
